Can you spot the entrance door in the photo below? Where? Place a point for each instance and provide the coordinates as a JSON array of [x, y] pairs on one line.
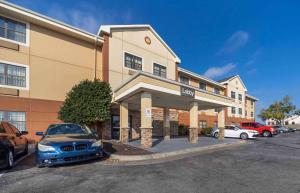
[[115, 126]]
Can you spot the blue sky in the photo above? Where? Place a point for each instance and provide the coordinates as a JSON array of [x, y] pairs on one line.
[[256, 39]]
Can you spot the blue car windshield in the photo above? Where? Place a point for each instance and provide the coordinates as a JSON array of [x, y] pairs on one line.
[[68, 129]]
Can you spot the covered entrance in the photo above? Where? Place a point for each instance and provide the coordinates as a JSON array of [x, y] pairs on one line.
[[144, 91]]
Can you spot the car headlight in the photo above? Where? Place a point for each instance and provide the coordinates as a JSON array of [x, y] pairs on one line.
[[45, 148], [97, 144]]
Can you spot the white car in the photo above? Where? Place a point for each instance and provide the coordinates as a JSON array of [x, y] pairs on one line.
[[235, 131]]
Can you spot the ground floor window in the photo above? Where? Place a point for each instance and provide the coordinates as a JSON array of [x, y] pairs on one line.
[[18, 119], [203, 124]]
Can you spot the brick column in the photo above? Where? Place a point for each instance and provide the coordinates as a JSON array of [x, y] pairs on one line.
[[221, 123], [193, 130], [146, 120], [124, 130], [167, 133]]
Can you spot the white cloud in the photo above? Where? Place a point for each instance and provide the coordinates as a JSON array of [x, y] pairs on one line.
[[236, 41], [88, 17], [214, 72]]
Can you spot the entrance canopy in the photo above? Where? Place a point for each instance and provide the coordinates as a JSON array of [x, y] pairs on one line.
[[167, 93]]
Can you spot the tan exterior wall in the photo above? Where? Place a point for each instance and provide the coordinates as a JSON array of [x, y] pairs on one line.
[[250, 108], [133, 42], [56, 63]]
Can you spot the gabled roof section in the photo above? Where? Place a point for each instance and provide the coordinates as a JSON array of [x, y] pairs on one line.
[[13, 10], [226, 80], [252, 97], [107, 29], [198, 76]]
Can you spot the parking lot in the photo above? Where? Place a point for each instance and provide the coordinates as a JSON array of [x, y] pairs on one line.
[[265, 165]]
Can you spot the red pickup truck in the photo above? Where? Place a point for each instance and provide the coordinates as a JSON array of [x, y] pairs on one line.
[[266, 131]]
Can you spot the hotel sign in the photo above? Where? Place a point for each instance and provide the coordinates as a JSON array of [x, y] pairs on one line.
[[186, 91]]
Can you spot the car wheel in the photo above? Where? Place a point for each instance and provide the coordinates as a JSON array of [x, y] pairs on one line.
[[10, 158], [267, 134], [244, 136], [216, 135]]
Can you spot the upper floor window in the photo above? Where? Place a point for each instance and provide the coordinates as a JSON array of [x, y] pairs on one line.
[[217, 90], [12, 30], [252, 103], [240, 97], [202, 85], [232, 110], [159, 70], [232, 94], [240, 111], [133, 62], [252, 114], [11, 75], [184, 80], [246, 113]]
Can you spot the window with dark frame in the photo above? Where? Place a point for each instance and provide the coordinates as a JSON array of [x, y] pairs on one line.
[[184, 80], [252, 114], [233, 110], [12, 30], [217, 90], [159, 70], [11, 75], [202, 86], [240, 97], [240, 111], [133, 62], [232, 94], [202, 124]]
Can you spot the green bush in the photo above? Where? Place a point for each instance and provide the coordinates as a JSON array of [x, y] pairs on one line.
[[87, 103], [206, 131], [182, 129]]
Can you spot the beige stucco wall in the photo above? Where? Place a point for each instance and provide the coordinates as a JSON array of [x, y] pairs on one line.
[[56, 63], [236, 86], [249, 108], [132, 41]]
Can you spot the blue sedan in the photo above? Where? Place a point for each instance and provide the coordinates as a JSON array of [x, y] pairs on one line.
[[67, 143]]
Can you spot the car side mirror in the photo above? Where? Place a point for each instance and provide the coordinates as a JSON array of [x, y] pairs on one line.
[[24, 132], [39, 133]]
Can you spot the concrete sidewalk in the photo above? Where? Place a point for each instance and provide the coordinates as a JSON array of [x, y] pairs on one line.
[[176, 146]]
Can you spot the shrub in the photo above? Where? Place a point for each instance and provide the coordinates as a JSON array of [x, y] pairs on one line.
[[206, 131]]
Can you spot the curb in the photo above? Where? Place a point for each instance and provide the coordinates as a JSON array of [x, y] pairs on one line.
[[169, 154]]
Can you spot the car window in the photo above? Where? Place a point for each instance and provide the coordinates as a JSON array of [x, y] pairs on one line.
[[15, 130], [245, 124], [7, 128], [2, 130], [65, 129]]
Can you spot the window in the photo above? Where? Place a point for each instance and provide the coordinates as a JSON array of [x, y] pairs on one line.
[[252, 114], [240, 111], [232, 94], [202, 85], [11, 75], [246, 113], [245, 124], [216, 124], [2, 130], [133, 62], [203, 124], [12, 30], [159, 70], [217, 91], [240, 97], [18, 119], [233, 110], [184, 80], [252, 103]]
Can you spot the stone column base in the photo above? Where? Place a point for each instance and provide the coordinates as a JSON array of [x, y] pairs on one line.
[[124, 135], [193, 135], [146, 137], [167, 133], [221, 133]]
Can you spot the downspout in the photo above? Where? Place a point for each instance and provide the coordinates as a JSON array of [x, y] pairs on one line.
[[95, 75]]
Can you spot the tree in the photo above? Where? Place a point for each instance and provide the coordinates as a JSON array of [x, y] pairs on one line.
[[87, 103], [279, 111]]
